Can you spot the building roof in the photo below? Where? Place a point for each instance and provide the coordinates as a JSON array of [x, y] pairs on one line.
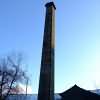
[[77, 93]]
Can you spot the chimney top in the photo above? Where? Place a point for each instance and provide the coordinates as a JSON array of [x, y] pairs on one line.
[[50, 4]]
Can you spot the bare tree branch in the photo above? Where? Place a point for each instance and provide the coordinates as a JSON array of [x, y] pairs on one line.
[[11, 74]]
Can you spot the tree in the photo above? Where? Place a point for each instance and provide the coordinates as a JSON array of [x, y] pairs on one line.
[[11, 74]]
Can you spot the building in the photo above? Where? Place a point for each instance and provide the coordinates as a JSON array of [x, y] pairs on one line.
[[77, 93]]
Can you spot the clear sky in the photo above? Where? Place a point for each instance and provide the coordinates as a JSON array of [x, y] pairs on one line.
[[77, 59]]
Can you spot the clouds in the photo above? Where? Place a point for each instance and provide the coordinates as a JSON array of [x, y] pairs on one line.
[[29, 88]]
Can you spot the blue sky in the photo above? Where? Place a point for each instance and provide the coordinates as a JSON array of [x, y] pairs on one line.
[[77, 39]]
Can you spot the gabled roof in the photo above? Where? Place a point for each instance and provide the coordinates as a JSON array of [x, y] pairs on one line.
[[77, 93]]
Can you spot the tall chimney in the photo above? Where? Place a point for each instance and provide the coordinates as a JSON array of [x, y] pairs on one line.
[[46, 82]]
